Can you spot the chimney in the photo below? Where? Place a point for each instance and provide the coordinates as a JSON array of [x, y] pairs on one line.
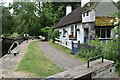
[[83, 2], [68, 9]]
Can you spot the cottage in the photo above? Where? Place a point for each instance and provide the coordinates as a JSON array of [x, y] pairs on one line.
[[88, 22]]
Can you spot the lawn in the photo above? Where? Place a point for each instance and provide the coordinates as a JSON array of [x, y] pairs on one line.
[[36, 63]]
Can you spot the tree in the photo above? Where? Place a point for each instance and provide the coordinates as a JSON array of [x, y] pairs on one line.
[[7, 21], [26, 19]]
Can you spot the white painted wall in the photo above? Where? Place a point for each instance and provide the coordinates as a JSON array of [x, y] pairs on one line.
[[68, 9], [89, 18], [83, 2], [80, 36]]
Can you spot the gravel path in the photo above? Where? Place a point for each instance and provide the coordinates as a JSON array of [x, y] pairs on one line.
[[10, 62], [64, 61]]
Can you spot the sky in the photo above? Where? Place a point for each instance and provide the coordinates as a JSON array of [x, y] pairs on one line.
[[10, 1]]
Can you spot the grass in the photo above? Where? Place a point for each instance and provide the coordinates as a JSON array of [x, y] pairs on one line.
[[66, 50], [36, 63]]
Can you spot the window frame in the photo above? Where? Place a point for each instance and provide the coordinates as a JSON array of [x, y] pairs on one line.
[[106, 33]]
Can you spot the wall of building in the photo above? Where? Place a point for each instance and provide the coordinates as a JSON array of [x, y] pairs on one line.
[[64, 41], [89, 18], [83, 2]]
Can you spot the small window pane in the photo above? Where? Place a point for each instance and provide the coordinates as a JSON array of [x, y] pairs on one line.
[[108, 33], [97, 32], [87, 13], [75, 31], [72, 30], [103, 33]]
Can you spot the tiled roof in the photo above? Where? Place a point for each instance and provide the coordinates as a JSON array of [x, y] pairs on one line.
[[76, 16], [73, 17], [103, 21]]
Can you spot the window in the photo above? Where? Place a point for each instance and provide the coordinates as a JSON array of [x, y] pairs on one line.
[[83, 14], [63, 32], [86, 31], [72, 30], [103, 33], [75, 31], [87, 14]]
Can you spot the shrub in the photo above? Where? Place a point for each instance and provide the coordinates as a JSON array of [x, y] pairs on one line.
[[55, 35]]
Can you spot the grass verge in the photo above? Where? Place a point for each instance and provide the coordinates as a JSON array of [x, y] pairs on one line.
[[35, 62]]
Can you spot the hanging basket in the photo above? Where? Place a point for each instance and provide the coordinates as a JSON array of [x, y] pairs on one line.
[[59, 32], [77, 29], [65, 31]]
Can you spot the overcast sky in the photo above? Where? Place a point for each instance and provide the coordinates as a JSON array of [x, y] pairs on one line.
[[10, 1]]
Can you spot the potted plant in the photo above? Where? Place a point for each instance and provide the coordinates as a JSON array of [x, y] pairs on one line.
[[71, 37], [77, 29], [65, 31]]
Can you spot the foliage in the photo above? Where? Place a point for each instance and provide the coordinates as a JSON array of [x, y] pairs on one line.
[[50, 32], [35, 62], [45, 32], [15, 35], [31, 17], [55, 35], [7, 21]]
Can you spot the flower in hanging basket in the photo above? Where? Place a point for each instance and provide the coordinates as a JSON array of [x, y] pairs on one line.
[[71, 36], [65, 31], [77, 29]]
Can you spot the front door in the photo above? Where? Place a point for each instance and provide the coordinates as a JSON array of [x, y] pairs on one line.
[[86, 34]]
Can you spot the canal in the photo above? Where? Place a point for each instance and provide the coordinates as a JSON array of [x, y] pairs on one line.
[[6, 43]]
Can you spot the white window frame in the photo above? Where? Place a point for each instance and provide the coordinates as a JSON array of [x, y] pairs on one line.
[[105, 33]]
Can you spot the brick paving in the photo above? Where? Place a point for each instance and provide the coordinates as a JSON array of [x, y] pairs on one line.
[[62, 60]]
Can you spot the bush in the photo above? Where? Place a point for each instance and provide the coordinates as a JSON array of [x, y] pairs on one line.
[[13, 35], [45, 32], [55, 35]]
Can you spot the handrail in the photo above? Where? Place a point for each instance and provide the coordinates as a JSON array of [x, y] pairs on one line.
[[9, 51], [90, 59]]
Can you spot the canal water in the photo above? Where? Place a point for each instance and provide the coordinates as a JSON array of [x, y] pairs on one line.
[[6, 45]]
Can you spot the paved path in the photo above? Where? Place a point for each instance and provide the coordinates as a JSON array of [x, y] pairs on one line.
[[9, 63], [59, 58]]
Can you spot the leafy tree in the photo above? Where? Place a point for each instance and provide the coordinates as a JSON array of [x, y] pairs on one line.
[[7, 21], [26, 19]]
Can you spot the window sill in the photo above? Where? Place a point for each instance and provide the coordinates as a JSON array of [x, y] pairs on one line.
[[105, 38]]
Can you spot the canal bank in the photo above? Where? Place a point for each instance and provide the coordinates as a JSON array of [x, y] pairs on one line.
[[9, 63]]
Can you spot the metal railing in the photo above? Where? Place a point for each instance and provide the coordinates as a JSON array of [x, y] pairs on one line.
[[94, 58], [17, 48]]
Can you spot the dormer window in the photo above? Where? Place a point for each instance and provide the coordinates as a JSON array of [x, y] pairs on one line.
[[83, 14], [87, 14]]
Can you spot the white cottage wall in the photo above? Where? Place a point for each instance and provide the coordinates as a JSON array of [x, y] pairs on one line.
[[64, 41], [89, 18], [80, 36]]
